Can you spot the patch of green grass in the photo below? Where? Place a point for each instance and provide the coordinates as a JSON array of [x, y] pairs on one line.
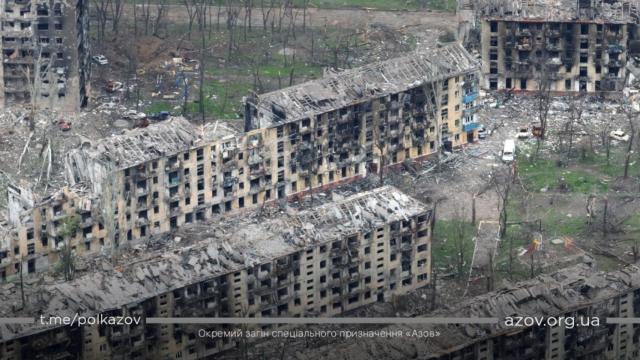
[[615, 168], [157, 107], [544, 173], [514, 238], [445, 247], [411, 5], [222, 99], [607, 263], [556, 224], [307, 70], [633, 222]]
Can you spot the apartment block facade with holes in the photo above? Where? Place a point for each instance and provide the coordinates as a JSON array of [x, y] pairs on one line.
[[565, 46], [45, 54], [348, 253], [156, 179]]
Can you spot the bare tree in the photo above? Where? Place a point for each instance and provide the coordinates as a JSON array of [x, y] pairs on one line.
[[605, 217], [233, 12], [36, 81], [102, 15], [161, 11], [266, 12], [146, 14], [543, 94], [201, 74], [501, 181], [305, 5], [135, 18], [116, 14], [491, 273], [255, 72], [632, 117], [567, 135], [590, 209], [246, 20], [191, 6]]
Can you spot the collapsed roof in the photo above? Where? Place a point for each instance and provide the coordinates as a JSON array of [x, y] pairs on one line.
[[615, 11], [547, 295], [362, 84], [141, 145], [202, 252]]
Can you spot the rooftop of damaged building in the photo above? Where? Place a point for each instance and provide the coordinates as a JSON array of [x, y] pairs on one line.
[[552, 294], [200, 252], [157, 140], [615, 11], [361, 84], [17, 141]]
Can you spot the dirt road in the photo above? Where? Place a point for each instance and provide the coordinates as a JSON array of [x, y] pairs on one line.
[[342, 18]]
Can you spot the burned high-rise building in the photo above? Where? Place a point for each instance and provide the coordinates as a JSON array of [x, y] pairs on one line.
[[324, 261], [329, 132], [598, 310], [568, 45], [45, 53]]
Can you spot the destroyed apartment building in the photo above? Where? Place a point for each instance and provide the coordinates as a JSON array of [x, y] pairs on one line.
[[323, 261], [578, 292], [45, 53], [316, 135], [557, 45]]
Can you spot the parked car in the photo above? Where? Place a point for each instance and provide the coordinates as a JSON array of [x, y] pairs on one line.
[[100, 59], [619, 135], [523, 132], [113, 86], [509, 151], [159, 116], [482, 132], [133, 115], [63, 125]]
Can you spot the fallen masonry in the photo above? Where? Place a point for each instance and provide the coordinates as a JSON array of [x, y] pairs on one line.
[[319, 262], [148, 181], [580, 292]]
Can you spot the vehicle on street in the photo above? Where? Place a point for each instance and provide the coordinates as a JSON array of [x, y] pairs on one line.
[[159, 116], [100, 59], [133, 115], [509, 151], [113, 86], [482, 132], [619, 135], [523, 132]]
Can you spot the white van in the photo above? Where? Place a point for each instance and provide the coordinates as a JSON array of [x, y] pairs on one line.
[[509, 151]]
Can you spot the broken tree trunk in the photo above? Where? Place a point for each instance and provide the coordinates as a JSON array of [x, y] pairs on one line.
[[473, 210], [590, 214], [49, 152], [24, 150], [604, 217], [434, 278], [46, 159]]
